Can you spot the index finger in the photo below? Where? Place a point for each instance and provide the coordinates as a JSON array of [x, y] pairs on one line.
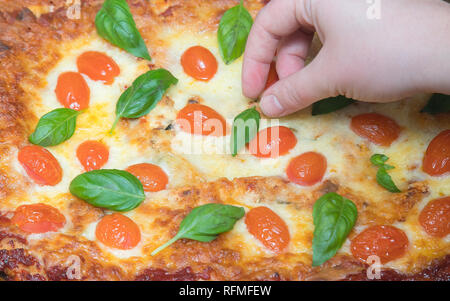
[[277, 19]]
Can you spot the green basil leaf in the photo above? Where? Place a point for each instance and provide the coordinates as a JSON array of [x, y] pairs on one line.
[[245, 127], [383, 178], [55, 127], [331, 104], [205, 223], [232, 35], [379, 159], [112, 189], [438, 103], [334, 217], [115, 24], [143, 95]]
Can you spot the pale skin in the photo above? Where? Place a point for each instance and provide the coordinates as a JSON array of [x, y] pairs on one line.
[[406, 51]]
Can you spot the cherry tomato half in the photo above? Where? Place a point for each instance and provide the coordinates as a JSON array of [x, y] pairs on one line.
[[72, 91], [199, 63], [270, 229], [118, 231], [98, 66], [40, 165], [436, 161], [272, 142], [92, 154], [272, 77], [307, 169], [376, 128], [152, 177], [38, 218], [386, 242], [201, 120], [435, 217]]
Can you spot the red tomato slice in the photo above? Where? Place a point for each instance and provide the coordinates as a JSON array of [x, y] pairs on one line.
[[98, 66], [72, 91], [40, 165], [272, 142], [436, 161], [118, 231], [272, 76], [435, 217], [307, 169], [270, 229], [152, 177], [386, 242], [92, 154], [199, 63], [201, 120], [38, 218], [376, 128]]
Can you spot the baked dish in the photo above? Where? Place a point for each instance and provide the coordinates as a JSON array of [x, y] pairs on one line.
[[109, 169]]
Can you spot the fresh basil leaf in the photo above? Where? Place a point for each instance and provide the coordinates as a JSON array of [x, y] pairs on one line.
[[55, 127], [383, 178], [112, 189], [331, 104], [438, 103], [143, 95], [379, 159], [205, 223], [232, 35], [115, 24], [334, 217], [245, 127]]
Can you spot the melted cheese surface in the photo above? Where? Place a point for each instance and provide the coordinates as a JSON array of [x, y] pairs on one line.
[[191, 159]]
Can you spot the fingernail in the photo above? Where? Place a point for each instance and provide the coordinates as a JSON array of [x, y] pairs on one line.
[[271, 106]]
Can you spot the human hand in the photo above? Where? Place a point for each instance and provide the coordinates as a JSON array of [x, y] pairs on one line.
[[405, 51]]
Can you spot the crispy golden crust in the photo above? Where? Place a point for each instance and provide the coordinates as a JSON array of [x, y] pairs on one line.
[[26, 56]]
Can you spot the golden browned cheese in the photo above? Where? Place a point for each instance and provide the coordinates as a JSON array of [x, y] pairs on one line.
[[39, 40]]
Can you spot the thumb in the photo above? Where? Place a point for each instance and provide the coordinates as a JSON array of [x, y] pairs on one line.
[[296, 91]]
